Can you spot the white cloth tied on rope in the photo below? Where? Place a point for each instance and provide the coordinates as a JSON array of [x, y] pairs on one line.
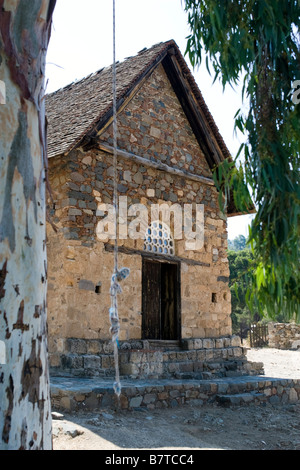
[[116, 289]]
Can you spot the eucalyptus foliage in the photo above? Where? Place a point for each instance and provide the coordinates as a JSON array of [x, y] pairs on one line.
[[239, 263], [256, 43]]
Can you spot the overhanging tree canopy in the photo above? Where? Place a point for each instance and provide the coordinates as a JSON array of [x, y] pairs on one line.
[[258, 41]]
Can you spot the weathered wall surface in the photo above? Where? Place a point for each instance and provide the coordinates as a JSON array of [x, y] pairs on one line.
[[152, 125], [284, 335]]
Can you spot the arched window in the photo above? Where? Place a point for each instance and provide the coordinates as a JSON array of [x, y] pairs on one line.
[[158, 239]]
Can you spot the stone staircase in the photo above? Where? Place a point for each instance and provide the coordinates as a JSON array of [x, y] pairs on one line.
[[159, 375], [200, 359]]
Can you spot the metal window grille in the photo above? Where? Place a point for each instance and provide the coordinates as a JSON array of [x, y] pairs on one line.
[[158, 239]]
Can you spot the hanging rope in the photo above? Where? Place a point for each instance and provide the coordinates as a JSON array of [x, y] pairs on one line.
[[118, 275], [115, 132]]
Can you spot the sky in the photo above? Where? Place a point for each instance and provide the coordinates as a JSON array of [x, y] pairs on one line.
[[82, 43]]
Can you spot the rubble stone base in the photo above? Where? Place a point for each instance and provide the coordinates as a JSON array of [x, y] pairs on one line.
[[77, 394], [202, 358]]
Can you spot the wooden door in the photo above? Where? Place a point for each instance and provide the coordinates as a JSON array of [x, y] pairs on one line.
[[161, 296], [169, 289], [151, 299]]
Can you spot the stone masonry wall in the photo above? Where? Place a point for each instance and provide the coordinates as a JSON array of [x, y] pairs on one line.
[[154, 126], [284, 335], [205, 358], [80, 268]]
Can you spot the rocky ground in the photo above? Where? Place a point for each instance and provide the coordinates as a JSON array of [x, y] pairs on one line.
[[192, 427]]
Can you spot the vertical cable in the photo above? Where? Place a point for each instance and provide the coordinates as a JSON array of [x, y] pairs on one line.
[[114, 316]]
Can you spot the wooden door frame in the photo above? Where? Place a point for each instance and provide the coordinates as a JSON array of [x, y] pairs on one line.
[[160, 260]]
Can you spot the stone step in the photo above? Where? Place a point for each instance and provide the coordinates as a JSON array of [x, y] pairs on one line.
[[170, 345], [239, 399], [74, 394]]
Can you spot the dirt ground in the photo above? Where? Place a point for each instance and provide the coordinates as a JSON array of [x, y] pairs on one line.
[[190, 427]]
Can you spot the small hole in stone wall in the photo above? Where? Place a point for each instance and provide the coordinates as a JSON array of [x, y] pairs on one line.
[[98, 288], [214, 297]]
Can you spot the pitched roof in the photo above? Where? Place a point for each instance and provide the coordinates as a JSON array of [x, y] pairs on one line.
[[77, 109]]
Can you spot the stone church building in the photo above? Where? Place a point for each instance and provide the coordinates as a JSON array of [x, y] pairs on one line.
[[175, 305]]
